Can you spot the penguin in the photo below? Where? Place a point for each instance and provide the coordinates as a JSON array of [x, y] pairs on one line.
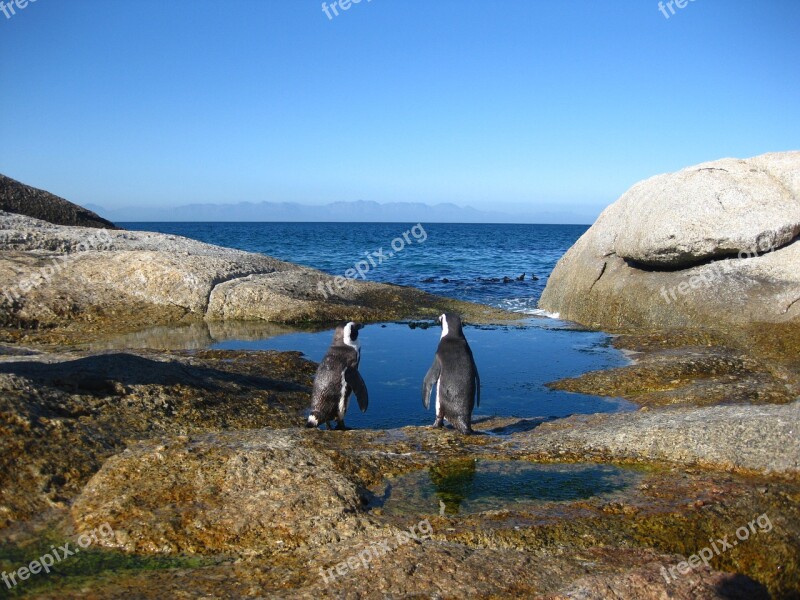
[[337, 377], [455, 377]]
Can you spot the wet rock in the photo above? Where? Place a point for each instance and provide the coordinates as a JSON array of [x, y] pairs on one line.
[[620, 544], [691, 375], [648, 582], [565, 549], [446, 569], [61, 416], [751, 438], [429, 569]]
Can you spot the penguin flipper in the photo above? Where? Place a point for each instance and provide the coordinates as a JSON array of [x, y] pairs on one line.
[[478, 385], [430, 379], [477, 377], [356, 383]]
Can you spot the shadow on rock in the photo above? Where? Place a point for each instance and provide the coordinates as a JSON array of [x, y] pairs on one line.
[[109, 373], [61, 420], [741, 587], [513, 426]]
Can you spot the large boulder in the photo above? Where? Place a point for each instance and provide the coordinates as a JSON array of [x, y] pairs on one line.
[[710, 211], [23, 199], [249, 492], [713, 245]]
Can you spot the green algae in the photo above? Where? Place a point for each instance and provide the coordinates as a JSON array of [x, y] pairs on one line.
[[467, 486], [85, 566]]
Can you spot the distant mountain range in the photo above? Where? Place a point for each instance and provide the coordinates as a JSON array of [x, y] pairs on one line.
[[356, 211]]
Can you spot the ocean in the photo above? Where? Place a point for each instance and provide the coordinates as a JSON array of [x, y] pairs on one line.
[[474, 262], [464, 261]]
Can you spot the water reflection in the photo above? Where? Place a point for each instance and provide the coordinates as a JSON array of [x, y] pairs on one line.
[[469, 486], [453, 483], [516, 362], [197, 336]]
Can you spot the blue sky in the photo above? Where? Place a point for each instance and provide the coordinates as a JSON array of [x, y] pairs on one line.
[[517, 105]]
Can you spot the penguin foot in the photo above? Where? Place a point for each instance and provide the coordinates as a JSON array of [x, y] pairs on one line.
[[438, 424], [463, 427], [340, 426]]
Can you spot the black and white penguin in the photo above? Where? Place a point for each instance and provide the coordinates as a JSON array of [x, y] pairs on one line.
[[455, 377], [337, 377]]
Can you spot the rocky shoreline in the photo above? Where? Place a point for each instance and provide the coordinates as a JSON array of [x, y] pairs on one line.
[[197, 462], [63, 285]]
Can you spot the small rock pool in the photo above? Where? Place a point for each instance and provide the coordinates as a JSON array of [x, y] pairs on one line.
[[470, 486], [514, 361]]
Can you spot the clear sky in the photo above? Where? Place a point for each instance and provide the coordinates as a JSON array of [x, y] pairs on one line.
[[505, 105]]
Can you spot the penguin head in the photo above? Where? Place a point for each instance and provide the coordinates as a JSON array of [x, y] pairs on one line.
[[451, 325], [347, 334]]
